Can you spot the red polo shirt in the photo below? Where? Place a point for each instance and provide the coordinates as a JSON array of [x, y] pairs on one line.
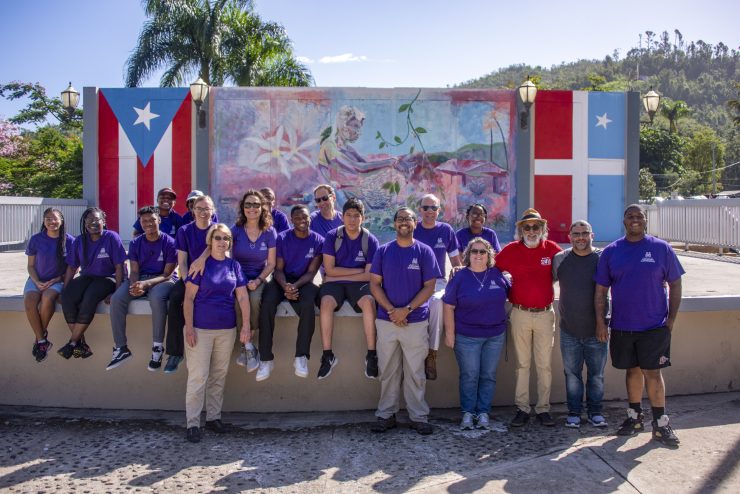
[[531, 272]]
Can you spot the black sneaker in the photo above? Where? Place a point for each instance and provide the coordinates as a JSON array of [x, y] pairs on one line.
[[382, 425], [664, 433], [120, 355], [67, 350], [216, 426], [520, 419], [193, 434], [371, 366], [545, 419], [42, 349], [632, 425], [327, 365], [423, 428], [82, 350], [35, 349], [156, 361]]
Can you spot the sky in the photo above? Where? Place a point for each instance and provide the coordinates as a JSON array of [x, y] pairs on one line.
[[360, 43]]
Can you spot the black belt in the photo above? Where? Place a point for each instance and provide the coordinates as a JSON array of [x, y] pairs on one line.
[[532, 309]]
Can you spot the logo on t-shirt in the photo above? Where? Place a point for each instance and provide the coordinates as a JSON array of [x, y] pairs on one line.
[[103, 254], [161, 257], [440, 244], [545, 261], [360, 257], [648, 257], [414, 264], [263, 246], [309, 254], [492, 286]]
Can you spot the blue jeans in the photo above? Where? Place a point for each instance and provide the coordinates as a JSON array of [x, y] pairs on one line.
[[478, 359], [157, 296], [575, 352]]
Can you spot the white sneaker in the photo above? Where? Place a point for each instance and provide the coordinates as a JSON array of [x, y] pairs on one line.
[[264, 370], [301, 366], [467, 421], [483, 421]]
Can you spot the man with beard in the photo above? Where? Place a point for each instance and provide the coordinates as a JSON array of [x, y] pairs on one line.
[[529, 262], [402, 279], [638, 268]]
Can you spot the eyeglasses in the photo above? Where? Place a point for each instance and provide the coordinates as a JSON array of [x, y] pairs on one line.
[[580, 234], [478, 251], [405, 219], [321, 199], [252, 205], [533, 228], [430, 208], [202, 210], [218, 238]]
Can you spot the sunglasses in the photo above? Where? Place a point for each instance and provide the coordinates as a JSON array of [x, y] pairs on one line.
[[321, 199], [478, 251], [531, 228], [430, 208], [218, 238], [252, 205]]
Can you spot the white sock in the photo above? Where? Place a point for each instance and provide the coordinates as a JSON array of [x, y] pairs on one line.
[[249, 346]]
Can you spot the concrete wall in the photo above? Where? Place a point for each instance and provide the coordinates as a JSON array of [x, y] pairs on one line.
[[705, 350]]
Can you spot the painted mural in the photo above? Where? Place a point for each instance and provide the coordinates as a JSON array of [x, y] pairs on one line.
[[387, 147]]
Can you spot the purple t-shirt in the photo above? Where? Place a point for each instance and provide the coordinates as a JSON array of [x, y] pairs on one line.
[[404, 271], [192, 240], [350, 253], [152, 256], [100, 258], [636, 273], [279, 221], [188, 218], [441, 238], [252, 256], [464, 236], [169, 224], [298, 252], [213, 307], [323, 226], [44, 248], [480, 302]]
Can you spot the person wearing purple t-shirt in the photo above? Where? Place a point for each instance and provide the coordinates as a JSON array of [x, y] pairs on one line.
[[402, 279], [47, 264], [348, 252], [279, 219], [298, 261], [153, 259], [210, 330], [638, 268], [441, 238], [169, 220], [475, 326], [190, 243], [476, 216], [326, 217], [189, 216], [99, 255]]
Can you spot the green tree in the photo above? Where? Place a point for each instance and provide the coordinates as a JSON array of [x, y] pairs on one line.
[[218, 40], [647, 185], [41, 107], [703, 149], [673, 110]]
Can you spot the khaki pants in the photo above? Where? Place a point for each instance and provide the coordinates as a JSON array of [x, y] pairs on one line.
[[401, 354], [208, 363], [255, 302], [533, 332]]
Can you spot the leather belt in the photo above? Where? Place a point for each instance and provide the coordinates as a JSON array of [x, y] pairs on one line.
[[532, 309]]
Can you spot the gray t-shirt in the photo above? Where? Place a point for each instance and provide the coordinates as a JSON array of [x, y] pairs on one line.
[[576, 306]]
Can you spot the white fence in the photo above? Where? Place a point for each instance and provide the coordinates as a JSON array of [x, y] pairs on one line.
[[21, 217], [714, 222]]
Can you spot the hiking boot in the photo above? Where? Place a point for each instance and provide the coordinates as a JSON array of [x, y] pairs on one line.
[[467, 422], [520, 419], [156, 362], [120, 355], [42, 350], [597, 420], [482, 421], [193, 434], [173, 362], [430, 365], [545, 419], [664, 433], [265, 369], [300, 364], [632, 425], [67, 350], [573, 421], [327, 364], [423, 428], [82, 350], [382, 425], [371, 366]]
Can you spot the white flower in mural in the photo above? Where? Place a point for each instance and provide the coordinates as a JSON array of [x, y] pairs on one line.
[[283, 147]]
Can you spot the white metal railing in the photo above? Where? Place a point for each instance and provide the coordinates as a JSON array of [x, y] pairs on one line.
[[714, 222], [21, 217]]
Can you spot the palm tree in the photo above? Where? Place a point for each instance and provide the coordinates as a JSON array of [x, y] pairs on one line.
[[221, 41], [673, 110]]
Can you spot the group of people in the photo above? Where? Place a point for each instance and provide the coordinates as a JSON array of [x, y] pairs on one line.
[[207, 283]]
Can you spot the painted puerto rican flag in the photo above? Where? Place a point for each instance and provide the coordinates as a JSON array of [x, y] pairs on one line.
[[579, 160], [144, 144]]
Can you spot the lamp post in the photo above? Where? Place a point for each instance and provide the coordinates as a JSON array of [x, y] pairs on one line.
[[199, 92], [651, 102], [70, 99], [527, 93]]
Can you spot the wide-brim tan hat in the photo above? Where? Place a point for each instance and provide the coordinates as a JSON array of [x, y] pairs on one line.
[[531, 214]]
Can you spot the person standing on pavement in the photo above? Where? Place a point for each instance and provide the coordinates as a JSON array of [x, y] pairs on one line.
[[403, 275], [639, 268], [476, 215], [574, 269], [529, 262], [442, 240]]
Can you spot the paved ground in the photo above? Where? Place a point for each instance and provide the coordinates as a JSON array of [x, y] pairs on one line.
[[52, 450]]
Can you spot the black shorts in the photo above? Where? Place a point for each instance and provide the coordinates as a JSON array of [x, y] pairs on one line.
[[352, 292], [647, 350]]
